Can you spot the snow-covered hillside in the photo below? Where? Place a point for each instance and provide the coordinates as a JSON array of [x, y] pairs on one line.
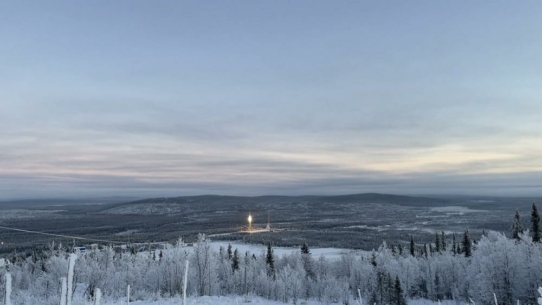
[[451, 269]]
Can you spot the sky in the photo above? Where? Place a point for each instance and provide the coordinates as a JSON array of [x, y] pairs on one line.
[[171, 98]]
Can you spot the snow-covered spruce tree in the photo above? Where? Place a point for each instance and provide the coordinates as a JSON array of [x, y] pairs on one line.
[[230, 253], [467, 244], [307, 261], [454, 244], [270, 262], [443, 244], [437, 242], [398, 297], [517, 227], [235, 261], [535, 224], [412, 246]]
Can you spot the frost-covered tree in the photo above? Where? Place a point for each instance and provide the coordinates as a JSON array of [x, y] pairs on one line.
[[437, 242], [305, 248], [535, 224], [270, 262], [412, 246], [235, 261], [398, 297], [230, 253], [467, 244], [517, 227], [454, 244], [202, 261]]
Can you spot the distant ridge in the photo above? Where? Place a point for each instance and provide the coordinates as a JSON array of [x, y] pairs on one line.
[[352, 198]]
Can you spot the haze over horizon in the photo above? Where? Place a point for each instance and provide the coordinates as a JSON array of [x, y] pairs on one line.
[[144, 99]]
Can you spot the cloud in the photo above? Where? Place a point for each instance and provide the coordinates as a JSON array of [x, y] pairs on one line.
[[435, 103]]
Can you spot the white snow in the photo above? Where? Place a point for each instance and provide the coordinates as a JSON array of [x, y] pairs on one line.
[[215, 300], [329, 253], [253, 300], [455, 210]]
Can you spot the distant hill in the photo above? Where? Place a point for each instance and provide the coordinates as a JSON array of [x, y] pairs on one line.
[[183, 204]]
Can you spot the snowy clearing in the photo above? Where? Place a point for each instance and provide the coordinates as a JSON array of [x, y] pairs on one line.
[[239, 300], [329, 253], [455, 210]]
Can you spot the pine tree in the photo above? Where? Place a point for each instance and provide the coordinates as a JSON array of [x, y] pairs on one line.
[[398, 297], [305, 248], [467, 244], [235, 261], [307, 261], [373, 259], [412, 246], [454, 245], [229, 252], [437, 242], [517, 228], [443, 241], [400, 247], [535, 224], [270, 262]]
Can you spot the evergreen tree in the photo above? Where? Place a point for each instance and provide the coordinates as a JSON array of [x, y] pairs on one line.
[[535, 224], [270, 262], [305, 248], [307, 261], [517, 228], [400, 247], [467, 244], [229, 252], [412, 246], [373, 259], [235, 261], [454, 245], [443, 241], [398, 293], [437, 242]]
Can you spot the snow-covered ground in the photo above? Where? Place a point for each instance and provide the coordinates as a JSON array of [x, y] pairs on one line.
[[329, 253], [214, 300], [239, 300]]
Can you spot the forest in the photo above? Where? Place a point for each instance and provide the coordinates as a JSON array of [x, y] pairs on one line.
[[451, 268]]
